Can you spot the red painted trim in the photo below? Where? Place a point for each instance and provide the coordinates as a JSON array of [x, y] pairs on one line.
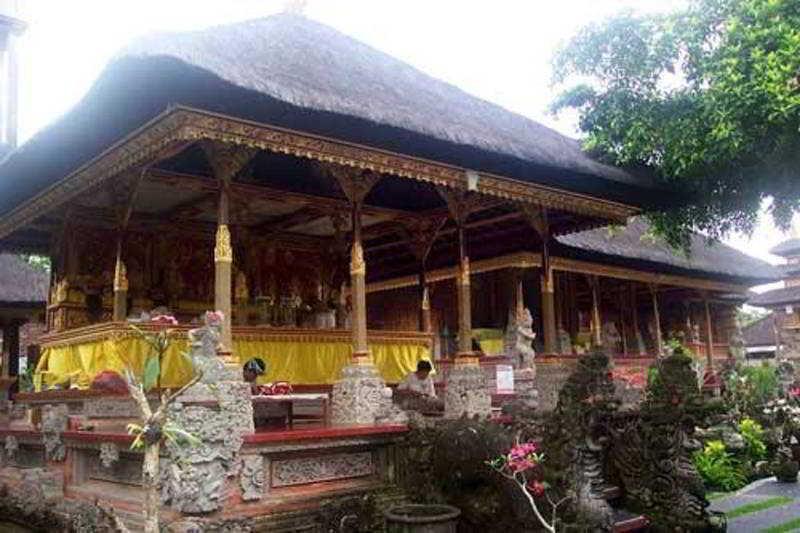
[[632, 524], [20, 432], [323, 433]]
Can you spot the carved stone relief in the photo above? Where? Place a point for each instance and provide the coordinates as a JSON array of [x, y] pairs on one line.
[[466, 392], [54, 423], [109, 454], [252, 477], [361, 396], [303, 470]]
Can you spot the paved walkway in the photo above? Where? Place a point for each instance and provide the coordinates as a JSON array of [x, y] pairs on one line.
[[757, 491]]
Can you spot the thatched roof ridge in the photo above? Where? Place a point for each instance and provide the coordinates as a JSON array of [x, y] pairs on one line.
[[634, 243], [20, 282], [777, 297], [761, 332], [289, 71], [787, 248]]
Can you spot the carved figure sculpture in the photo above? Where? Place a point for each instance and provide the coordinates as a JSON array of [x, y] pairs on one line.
[[523, 354], [652, 454], [611, 337]]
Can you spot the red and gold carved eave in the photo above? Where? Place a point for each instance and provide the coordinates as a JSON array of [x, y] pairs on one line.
[[179, 125]]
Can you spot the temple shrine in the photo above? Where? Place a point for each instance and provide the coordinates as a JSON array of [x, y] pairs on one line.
[[349, 216]]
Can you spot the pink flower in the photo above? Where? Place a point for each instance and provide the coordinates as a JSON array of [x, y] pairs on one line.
[[536, 488], [523, 457], [794, 392], [167, 320]]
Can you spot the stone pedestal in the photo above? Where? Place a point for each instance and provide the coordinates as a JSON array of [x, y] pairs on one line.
[[525, 388], [219, 414], [361, 397], [466, 392]]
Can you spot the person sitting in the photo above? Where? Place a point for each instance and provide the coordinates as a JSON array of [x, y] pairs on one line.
[[251, 370], [419, 383]]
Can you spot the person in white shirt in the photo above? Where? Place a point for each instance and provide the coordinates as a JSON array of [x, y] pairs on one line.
[[419, 383]]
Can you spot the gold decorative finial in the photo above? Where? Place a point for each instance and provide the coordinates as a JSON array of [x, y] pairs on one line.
[[120, 277]]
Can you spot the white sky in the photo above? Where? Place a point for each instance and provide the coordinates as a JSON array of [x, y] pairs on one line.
[[499, 50]]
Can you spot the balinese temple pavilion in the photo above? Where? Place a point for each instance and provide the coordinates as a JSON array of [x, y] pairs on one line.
[[350, 216], [308, 186], [783, 322]]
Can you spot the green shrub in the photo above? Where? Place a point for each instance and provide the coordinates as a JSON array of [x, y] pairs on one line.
[[753, 434], [718, 468]]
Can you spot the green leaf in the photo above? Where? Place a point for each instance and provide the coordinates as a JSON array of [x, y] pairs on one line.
[[152, 369]]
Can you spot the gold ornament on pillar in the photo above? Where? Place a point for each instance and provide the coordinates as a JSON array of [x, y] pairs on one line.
[[357, 264], [464, 272], [120, 277], [426, 301], [223, 252]]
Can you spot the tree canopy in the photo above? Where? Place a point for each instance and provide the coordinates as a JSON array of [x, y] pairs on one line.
[[707, 97]]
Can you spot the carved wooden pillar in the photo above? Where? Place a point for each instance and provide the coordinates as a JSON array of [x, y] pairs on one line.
[[465, 391], [709, 333], [635, 321], [421, 236], [356, 185], [460, 205], [597, 325], [657, 321], [537, 218], [124, 191], [120, 311], [622, 322], [11, 349], [226, 161]]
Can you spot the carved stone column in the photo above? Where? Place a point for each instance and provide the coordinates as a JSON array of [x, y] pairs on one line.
[[226, 161], [360, 396], [466, 391]]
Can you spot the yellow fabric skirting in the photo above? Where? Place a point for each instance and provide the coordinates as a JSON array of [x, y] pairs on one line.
[[299, 363]]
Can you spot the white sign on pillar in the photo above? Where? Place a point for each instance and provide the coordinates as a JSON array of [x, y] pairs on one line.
[[505, 379]]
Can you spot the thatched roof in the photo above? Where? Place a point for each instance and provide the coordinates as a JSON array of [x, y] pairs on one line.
[[289, 71], [632, 244], [777, 297], [760, 333], [20, 282], [787, 248]]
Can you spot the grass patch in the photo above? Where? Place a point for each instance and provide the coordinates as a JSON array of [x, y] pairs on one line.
[[757, 506], [791, 525]]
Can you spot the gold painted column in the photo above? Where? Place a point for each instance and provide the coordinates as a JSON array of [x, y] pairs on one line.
[[657, 321], [464, 297], [227, 160], [548, 309], [223, 265], [358, 273], [120, 310], [425, 322]]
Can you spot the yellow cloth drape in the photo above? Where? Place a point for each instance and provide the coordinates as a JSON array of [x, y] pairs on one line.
[[491, 341], [299, 363]]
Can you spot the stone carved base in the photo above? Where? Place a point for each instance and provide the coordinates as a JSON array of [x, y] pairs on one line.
[[360, 397], [525, 388], [252, 478], [467, 392], [218, 414]]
